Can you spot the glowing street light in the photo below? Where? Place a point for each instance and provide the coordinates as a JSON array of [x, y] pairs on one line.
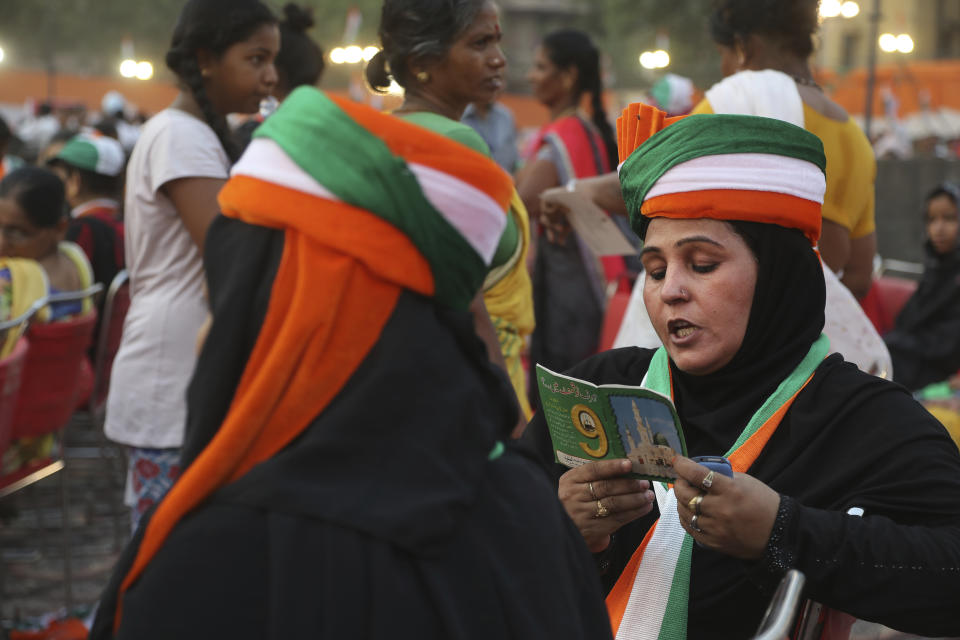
[[849, 9], [128, 68], [353, 54], [1, 54], [658, 59], [904, 43], [834, 8], [891, 43], [144, 70], [830, 8]]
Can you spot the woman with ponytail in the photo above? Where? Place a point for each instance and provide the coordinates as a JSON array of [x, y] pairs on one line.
[[446, 54], [222, 53], [569, 282]]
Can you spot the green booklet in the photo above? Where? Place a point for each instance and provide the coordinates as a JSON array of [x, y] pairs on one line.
[[589, 423]]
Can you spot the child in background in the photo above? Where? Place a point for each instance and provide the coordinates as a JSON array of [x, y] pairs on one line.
[[925, 341], [222, 54], [91, 167]]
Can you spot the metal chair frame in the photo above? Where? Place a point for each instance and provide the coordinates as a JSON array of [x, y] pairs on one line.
[[777, 622]]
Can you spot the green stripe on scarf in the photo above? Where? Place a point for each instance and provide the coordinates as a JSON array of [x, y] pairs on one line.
[[357, 167], [705, 134], [674, 625]]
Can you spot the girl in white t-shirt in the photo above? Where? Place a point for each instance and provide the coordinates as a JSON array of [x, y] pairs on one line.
[[222, 53]]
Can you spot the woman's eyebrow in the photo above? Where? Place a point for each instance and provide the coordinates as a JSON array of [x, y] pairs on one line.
[[706, 239], [680, 243], [649, 249]]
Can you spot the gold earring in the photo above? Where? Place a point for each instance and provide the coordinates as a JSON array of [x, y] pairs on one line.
[[205, 73], [423, 76]]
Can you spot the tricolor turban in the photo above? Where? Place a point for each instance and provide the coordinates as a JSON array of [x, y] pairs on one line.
[[724, 167]]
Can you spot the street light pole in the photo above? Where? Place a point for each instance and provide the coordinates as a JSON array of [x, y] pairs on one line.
[[871, 66]]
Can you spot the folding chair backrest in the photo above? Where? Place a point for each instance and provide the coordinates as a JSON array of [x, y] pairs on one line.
[[52, 375], [115, 308], [893, 293], [11, 369]]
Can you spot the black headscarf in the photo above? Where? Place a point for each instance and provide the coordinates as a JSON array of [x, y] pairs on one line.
[[925, 342], [786, 317]]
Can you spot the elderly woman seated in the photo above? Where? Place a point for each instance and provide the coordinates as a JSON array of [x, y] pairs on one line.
[[729, 209]]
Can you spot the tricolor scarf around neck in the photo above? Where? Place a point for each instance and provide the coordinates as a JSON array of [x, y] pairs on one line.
[[649, 601], [369, 206]]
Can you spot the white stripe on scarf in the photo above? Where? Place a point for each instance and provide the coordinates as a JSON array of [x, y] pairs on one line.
[[473, 213], [746, 171], [643, 616]]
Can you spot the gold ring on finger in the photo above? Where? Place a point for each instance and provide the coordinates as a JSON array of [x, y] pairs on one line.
[[694, 525], [593, 494], [694, 504], [602, 511]]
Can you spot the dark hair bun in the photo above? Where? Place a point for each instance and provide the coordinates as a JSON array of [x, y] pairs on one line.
[[297, 18], [376, 72]]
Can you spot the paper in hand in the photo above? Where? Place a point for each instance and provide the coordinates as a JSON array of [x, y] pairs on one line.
[[597, 230]]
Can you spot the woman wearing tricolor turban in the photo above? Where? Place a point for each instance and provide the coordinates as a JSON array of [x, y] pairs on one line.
[[347, 466], [729, 209]]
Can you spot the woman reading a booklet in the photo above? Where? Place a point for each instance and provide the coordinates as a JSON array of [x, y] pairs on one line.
[[347, 470], [729, 209]]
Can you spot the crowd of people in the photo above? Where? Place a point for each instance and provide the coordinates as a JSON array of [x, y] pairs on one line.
[[325, 386]]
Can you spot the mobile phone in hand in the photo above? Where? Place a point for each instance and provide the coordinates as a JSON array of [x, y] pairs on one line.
[[718, 464]]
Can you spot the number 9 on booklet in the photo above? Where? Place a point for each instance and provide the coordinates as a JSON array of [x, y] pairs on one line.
[[589, 423]]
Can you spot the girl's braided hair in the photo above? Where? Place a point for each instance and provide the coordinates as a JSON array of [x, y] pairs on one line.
[[214, 26]]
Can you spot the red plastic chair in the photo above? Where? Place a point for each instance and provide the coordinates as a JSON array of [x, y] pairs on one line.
[[51, 380], [11, 369], [885, 300]]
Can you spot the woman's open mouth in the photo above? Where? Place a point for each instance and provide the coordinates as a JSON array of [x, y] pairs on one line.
[[681, 329]]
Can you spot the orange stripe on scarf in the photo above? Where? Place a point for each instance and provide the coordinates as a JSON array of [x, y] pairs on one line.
[[422, 146], [740, 460], [739, 204], [312, 340]]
